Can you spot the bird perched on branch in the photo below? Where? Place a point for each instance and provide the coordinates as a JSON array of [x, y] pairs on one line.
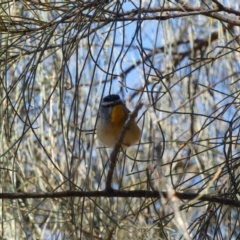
[[112, 115]]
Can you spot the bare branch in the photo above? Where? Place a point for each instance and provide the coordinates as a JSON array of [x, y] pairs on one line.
[[114, 153], [123, 194]]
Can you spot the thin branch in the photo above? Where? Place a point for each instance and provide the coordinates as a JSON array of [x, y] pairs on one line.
[[113, 156]]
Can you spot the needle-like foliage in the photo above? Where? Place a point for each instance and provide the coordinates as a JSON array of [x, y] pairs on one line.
[[179, 60]]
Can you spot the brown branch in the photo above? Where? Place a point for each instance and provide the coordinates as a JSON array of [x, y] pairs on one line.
[[228, 19], [199, 45], [125, 194], [187, 8], [114, 153], [221, 7], [141, 14], [162, 18], [213, 13]]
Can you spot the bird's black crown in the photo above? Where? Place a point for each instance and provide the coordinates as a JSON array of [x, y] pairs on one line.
[[111, 98]]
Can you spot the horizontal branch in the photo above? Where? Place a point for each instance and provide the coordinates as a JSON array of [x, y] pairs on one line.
[[221, 17], [29, 25], [125, 194], [143, 14], [190, 11]]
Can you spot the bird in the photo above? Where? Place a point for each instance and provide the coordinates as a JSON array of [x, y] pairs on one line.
[[112, 115]]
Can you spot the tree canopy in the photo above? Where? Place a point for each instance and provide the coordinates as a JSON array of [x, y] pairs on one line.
[[176, 65]]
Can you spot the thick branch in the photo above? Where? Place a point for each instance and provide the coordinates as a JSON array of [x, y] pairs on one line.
[[125, 194]]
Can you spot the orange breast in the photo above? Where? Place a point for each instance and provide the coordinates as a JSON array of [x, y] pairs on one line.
[[118, 115]]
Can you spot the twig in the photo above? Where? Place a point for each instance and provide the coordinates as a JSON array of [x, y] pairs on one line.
[[113, 156]]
